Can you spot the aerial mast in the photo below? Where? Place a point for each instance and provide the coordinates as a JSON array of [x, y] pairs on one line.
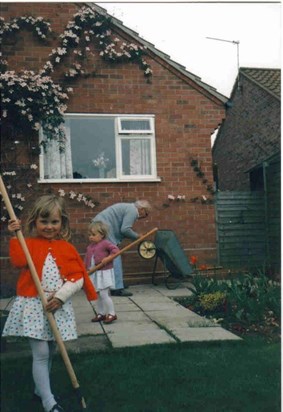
[[237, 42]]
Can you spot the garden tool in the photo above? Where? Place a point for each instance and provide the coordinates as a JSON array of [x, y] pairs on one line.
[[49, 315]]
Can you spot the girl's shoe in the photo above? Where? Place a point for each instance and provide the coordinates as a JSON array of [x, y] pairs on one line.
[[110, 319], [57, 408], [98, 318]]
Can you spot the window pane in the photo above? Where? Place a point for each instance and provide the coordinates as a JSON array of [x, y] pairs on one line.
[[136, 155], [135, 124], [94, 143], [93, 147]]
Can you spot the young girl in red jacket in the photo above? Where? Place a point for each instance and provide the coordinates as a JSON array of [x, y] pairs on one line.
[[62, 273]]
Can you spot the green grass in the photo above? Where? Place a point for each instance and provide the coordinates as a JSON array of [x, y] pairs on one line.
[[190, 377]]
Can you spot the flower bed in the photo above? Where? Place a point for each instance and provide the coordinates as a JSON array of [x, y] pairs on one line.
[[248, 304]]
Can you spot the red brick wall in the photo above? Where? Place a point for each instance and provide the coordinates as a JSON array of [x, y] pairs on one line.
[[185, 120], [249, 135]]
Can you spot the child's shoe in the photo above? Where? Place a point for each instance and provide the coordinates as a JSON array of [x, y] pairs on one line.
[[110, 319], [98, 318]]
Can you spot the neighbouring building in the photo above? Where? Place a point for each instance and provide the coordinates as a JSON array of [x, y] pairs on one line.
[[246, 156]]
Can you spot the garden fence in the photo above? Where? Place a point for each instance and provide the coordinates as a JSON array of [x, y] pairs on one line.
[[241, 229]]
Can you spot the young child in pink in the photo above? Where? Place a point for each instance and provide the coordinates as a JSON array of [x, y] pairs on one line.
[[98, 252]]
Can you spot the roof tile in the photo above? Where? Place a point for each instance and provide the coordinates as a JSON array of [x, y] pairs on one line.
[[268, 79]]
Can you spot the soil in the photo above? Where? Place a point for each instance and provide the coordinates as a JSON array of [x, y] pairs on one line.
[[270, 329], [270, 332]]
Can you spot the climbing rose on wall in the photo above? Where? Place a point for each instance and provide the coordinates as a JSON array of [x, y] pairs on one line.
[[32, 100]]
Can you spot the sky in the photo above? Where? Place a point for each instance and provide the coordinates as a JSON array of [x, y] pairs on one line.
[[180, 29]]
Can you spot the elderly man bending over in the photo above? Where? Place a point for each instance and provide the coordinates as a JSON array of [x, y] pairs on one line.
[[120, 218]]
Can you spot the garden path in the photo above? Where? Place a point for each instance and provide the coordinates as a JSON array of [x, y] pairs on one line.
[[150, 316]]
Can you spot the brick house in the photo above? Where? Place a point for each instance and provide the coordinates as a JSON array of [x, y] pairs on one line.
[[129, 135], [250, 133], [246, 152]]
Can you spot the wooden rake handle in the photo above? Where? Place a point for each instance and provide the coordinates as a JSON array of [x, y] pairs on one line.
[[100, 265], [36, 280]]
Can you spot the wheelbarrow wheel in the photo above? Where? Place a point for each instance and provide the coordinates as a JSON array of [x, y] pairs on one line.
[[172, 282]]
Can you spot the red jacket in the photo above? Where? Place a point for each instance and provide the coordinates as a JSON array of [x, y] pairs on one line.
[[68, 260]]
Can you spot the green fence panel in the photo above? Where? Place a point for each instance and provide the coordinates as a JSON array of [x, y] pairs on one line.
[[241, 229]]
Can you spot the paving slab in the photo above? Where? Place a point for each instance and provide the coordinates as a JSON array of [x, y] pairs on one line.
[[175, 293], [131, 317], [130, 328], [126, 307], [148, 296], [139, 338], [89, 328], [203, 334], [174, 314], [84, 314], [156, 306], [157, 290]]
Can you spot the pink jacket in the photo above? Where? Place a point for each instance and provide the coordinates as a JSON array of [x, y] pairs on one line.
[[99, 251]]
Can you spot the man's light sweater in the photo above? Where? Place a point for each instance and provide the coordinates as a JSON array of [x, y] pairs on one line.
[[119, 218]]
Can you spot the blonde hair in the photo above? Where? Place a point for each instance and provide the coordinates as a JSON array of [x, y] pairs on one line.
[[43, 207], [99, 227]]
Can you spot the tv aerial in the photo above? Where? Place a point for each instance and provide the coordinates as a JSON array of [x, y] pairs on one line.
[[237, 42]]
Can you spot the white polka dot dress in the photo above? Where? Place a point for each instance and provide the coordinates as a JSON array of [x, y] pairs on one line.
[[26, 317]]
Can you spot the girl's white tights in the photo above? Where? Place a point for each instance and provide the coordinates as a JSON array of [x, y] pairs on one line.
[[42, 352], [105, 304]]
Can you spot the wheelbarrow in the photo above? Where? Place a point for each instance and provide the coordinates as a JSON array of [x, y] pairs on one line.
[[166, 247]]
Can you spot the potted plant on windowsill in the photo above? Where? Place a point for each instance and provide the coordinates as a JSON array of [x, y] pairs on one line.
[[101, 163]]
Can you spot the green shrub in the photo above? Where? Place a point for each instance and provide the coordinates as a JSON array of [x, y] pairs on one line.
[[211, 302]]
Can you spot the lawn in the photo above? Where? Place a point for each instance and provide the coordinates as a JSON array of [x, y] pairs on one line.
[[191, 377]]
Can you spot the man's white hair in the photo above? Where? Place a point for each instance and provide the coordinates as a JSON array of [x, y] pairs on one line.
[[143, 204]]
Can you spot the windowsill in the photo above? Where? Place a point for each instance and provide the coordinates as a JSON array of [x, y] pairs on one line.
[[110, 180]]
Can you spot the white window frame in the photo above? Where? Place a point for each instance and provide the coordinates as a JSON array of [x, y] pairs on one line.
[[122, 135], [135, 131], [119, 136]]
